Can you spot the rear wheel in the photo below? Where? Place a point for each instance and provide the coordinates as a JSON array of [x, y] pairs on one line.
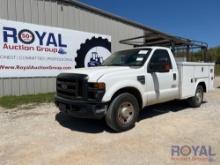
[[197, 100], [122, 112]]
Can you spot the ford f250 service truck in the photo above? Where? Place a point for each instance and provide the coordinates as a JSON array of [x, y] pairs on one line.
[[128, 81]]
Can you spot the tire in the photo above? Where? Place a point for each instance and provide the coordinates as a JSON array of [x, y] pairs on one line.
[[89, 44], [122, 113], [197, 100]]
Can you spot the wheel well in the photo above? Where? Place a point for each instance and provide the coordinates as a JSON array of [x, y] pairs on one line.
[[203, 86], [135, 92]]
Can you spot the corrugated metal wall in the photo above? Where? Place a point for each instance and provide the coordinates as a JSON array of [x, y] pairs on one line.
[[58, 14]]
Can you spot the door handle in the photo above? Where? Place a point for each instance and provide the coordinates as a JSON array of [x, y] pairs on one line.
[[174, 76]]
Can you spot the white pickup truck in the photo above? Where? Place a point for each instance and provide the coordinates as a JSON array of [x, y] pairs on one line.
[[130, 80]]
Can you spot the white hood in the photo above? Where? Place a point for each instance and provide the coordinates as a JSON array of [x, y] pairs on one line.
[[95, 73]]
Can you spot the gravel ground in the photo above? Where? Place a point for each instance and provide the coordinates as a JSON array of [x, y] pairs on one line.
[[44, 136]]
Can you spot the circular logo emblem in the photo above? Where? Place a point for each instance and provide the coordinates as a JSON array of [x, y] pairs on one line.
[[96, 56], [185, 150], [64, 86], [93, 52], [26, 36]]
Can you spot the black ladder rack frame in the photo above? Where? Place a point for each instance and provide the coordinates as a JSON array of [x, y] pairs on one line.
[[176, 43]]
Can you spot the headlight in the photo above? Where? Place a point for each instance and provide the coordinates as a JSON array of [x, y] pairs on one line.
[[96, 91]]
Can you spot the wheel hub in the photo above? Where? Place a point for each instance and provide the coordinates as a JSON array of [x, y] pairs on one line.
[[199, 96], [126, 112]]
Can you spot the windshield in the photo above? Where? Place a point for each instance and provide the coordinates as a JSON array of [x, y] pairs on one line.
[[134, 57]]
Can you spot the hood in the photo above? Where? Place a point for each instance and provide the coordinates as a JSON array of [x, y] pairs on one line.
[[95, 73]]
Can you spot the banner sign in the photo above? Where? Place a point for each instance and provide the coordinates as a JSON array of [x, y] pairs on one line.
[[28, 50]]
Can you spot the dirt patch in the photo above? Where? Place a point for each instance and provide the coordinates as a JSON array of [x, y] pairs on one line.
[[44, 136]]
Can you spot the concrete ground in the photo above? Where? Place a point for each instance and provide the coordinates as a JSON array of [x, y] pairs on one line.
[[44, 136]]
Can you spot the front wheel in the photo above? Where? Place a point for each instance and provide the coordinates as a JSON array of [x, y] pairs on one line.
[[197, 100], [122, 112]]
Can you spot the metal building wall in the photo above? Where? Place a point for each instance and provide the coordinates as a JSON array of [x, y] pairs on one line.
[[58, 14]]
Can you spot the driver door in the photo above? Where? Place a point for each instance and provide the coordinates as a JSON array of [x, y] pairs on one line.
[[161, 78]]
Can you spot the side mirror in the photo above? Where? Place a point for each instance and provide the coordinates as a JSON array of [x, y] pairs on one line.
[[151, 68]]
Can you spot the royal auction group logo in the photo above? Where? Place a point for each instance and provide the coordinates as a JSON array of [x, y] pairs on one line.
[[192, 153], [28, 40]]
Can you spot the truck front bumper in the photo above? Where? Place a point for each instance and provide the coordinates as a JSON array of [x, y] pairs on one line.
[[81, 109]]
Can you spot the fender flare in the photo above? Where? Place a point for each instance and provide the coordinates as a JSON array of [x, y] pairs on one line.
[[202, 81], [115, 88]]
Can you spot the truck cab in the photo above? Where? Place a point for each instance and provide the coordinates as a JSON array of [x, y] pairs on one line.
[[128, 81]]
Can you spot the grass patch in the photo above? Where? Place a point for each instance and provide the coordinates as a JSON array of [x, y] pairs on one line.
[[15, 101], [217, 70]]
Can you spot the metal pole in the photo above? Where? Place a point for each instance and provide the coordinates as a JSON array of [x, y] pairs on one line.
[[205, 54], [187, 53], [173, 47]]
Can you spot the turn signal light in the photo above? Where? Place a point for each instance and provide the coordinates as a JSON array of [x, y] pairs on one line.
[[99, 85]]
